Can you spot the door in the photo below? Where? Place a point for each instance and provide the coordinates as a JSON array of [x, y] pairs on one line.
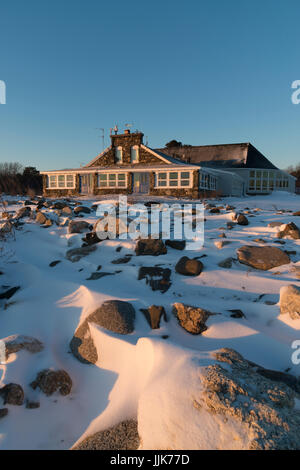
[[141, 183], [86, 183]]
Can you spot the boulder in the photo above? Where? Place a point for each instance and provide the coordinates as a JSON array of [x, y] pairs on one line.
[[12, 394], [221, 243], [192, 319], [241, 219], [176, 244], [3, 412], [262, 410], [23, 212], [226, 263], [91, 238], [290, 301], [40, 218], [7, 294], [49, 381], [189, 266], [153, 315], [16, 343], [123, 436], [262, 257], [82, 209], [214, 210], [290, 230], [150, 246], [114, 315], [75, 254], [158, 278], [66, 211], [78, 226]]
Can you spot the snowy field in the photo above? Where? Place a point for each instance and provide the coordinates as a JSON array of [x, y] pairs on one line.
[[148, 373]]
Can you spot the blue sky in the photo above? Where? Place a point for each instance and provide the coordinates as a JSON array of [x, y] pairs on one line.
[[202, 72]]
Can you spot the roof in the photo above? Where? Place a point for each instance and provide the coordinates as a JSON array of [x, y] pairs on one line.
[[241, 155]]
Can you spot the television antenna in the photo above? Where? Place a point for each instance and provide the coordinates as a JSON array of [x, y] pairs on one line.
[[128, 125], [102, 135]]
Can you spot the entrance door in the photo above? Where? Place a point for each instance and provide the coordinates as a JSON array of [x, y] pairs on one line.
[[86, 183], [141, 183]]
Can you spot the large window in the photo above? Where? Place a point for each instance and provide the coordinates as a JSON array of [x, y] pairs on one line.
[[112, 180], [265, 180], [119, 154], [61, 181], [134, 154], [207, 181], [173, 179]]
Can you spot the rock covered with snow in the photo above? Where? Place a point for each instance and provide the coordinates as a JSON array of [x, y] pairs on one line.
[[75, 254], [290, 301], [290, 230], [263, 258], [16, 343], [114, 315]]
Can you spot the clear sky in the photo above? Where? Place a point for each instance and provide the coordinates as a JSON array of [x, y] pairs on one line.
[[202, 72]]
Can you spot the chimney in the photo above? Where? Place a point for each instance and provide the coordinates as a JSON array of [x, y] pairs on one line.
[[127, 131]]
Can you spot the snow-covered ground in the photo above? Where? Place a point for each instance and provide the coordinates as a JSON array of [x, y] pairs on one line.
[[140, 369]]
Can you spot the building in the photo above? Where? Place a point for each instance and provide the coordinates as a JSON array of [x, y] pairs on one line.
[[128, 166], [260, 176]]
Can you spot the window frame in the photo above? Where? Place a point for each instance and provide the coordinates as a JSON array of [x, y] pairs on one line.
[[119, 148], [64, 184], [110, 180], [168, 179], [136, 149]]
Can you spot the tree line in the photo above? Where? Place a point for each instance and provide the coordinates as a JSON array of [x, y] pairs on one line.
[[14, 179]]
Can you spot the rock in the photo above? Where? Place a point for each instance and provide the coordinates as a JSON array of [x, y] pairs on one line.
[[23, 212], [3, 412], [75, 254], [242, 219], [220, 244], [40, 218], [290, 230], [236, 313], [262, 257], [123, 260], [150, 247], [78, 226], [176, 244], [259, 240], [66, 210], [12, 394], [123, 436], [59, 205], [214, 210], [290, 301], [275, 224], [296, 214], [263, 411], [9, 293], [54, 263], [49, 381], [16, 343], [153, 315], [114, 315], [188, 266], [226, 263], [95, 276], [192, 319], [229, 208], [91, 238], [32, 405], [158, 278], [48, 223], [82, 209]]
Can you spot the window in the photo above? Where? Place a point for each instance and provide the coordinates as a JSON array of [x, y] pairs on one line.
[[119, 154], [267, 180], [173, 179], [134, 154], [61, 181], [207, 181], [112, 180]]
